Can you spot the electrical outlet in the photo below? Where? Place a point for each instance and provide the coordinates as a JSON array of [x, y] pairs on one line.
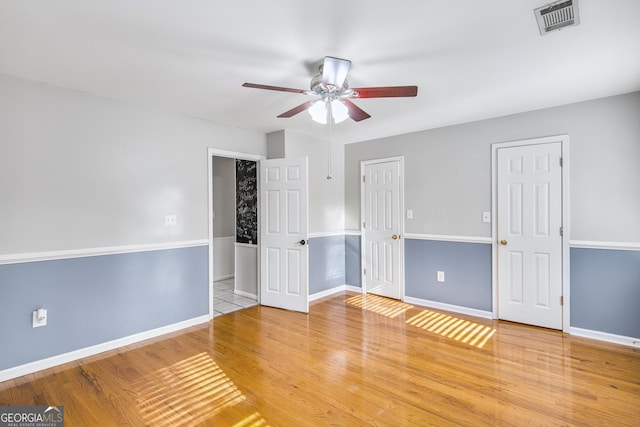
[[170, 221], [440, 276], [39, 318]]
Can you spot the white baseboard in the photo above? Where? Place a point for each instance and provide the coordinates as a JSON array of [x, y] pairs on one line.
[[245, 294], [50, 362], [605, 336], [332, 291], [449, 307]]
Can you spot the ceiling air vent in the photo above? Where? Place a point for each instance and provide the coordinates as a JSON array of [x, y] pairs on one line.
[[557, 15]]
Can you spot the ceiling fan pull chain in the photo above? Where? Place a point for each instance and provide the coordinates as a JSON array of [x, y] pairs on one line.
[[330, 122]]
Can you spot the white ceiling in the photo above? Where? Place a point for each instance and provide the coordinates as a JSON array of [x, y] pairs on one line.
[[470, 59]]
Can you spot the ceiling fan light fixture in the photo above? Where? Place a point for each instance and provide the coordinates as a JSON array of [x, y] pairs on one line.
[[318, 112], [339, 111]]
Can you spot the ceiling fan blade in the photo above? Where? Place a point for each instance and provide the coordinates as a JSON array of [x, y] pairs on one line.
[[386, 92], [299, 109], [335, 70], [355, 112], [281, 89]]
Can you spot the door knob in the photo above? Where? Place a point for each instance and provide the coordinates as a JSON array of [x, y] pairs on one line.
[[503, 242], [395, 237], [302, 242]]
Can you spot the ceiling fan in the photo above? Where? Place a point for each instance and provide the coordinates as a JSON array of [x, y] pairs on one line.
[[335, 94]]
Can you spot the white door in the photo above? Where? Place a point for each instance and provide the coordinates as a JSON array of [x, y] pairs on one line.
[[284, 252], [381, 228], [529, 234]]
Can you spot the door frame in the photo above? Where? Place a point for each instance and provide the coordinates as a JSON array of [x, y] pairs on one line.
[[563, 139], [363, 164], [211, 153]]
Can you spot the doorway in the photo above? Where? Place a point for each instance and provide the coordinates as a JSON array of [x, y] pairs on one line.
[[381, 206], [227, 289], [529, 246]]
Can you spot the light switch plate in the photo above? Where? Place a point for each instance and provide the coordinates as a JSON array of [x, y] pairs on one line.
[[409, 214], [170, 221], [486, 216]]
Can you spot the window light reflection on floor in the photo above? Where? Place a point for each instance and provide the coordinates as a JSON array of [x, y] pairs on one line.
[[253, 420], [455, 328], [187, 393], [462, 330], [381, 305]]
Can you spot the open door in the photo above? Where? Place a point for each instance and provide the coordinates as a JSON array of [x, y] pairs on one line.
[[284, 253]]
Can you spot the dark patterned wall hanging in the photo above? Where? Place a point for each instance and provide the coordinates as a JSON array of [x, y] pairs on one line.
[[246, 202]]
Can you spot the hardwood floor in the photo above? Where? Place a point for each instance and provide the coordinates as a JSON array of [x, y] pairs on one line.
[[353, 360]]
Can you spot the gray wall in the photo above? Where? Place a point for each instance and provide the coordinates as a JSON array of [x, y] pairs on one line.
[[352, 260], [448, 186], [466, 267], [448, 170], [602, 280], [326, 263], [79, 171], [92, 300], [224, 197]]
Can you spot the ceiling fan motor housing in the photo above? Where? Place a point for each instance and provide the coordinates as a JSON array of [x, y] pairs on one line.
[[320, 87]]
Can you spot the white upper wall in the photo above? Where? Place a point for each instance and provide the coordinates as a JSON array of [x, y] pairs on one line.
[[224, 196], [79, 171], [326, 196], [448, 170]]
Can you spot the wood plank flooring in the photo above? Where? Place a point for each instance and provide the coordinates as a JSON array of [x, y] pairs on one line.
[[353, 360]]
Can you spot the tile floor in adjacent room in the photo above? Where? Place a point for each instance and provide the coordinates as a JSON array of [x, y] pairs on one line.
[[225, 301]]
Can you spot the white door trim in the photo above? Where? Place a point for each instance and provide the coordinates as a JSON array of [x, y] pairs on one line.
[[564, 142], [363, 164], [211, 153]]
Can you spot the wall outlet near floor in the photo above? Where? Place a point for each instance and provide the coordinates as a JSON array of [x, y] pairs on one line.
[[440, 276], [39, 317]]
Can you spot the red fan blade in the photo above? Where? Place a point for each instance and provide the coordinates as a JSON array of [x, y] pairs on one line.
[[386, 92], [299, 109], [281, 89], [355, 112]]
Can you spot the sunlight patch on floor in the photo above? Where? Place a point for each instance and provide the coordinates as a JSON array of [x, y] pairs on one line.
[[455, 328], [187, 393], [253, 420], [381, 305]]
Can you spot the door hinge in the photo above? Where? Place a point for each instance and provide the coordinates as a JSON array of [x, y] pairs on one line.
[[562, 231], [364, 225], [561, 300], [363, 178], [364, 271], [560, 161]]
